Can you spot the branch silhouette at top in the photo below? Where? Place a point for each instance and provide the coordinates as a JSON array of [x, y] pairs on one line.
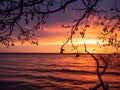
[[15, 14]]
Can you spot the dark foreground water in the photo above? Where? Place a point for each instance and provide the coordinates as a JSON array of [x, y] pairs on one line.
[[53, 72]]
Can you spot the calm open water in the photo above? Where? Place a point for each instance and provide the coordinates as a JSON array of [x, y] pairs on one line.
[[52, 72]]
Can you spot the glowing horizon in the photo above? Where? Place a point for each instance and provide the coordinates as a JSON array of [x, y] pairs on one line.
[[51, 39], [54, 45]]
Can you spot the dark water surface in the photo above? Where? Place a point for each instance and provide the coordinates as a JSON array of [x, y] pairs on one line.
[[52, 72]]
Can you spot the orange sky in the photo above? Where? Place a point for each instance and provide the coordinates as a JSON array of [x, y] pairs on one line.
[[51, 38]]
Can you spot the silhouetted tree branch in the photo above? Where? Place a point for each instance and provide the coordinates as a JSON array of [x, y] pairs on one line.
[[87, 11], [109, 20], [14, 12], [98, 68]]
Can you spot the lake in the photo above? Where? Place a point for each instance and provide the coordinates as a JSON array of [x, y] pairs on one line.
[[55, 72]]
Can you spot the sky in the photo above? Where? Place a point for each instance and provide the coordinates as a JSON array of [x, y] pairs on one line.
[[52, 37]]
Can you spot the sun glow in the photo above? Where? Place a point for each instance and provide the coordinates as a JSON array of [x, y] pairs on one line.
[[92, 41], [86, 41], [53, 37]]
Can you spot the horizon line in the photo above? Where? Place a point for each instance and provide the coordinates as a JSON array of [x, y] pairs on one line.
[[50, 53]]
